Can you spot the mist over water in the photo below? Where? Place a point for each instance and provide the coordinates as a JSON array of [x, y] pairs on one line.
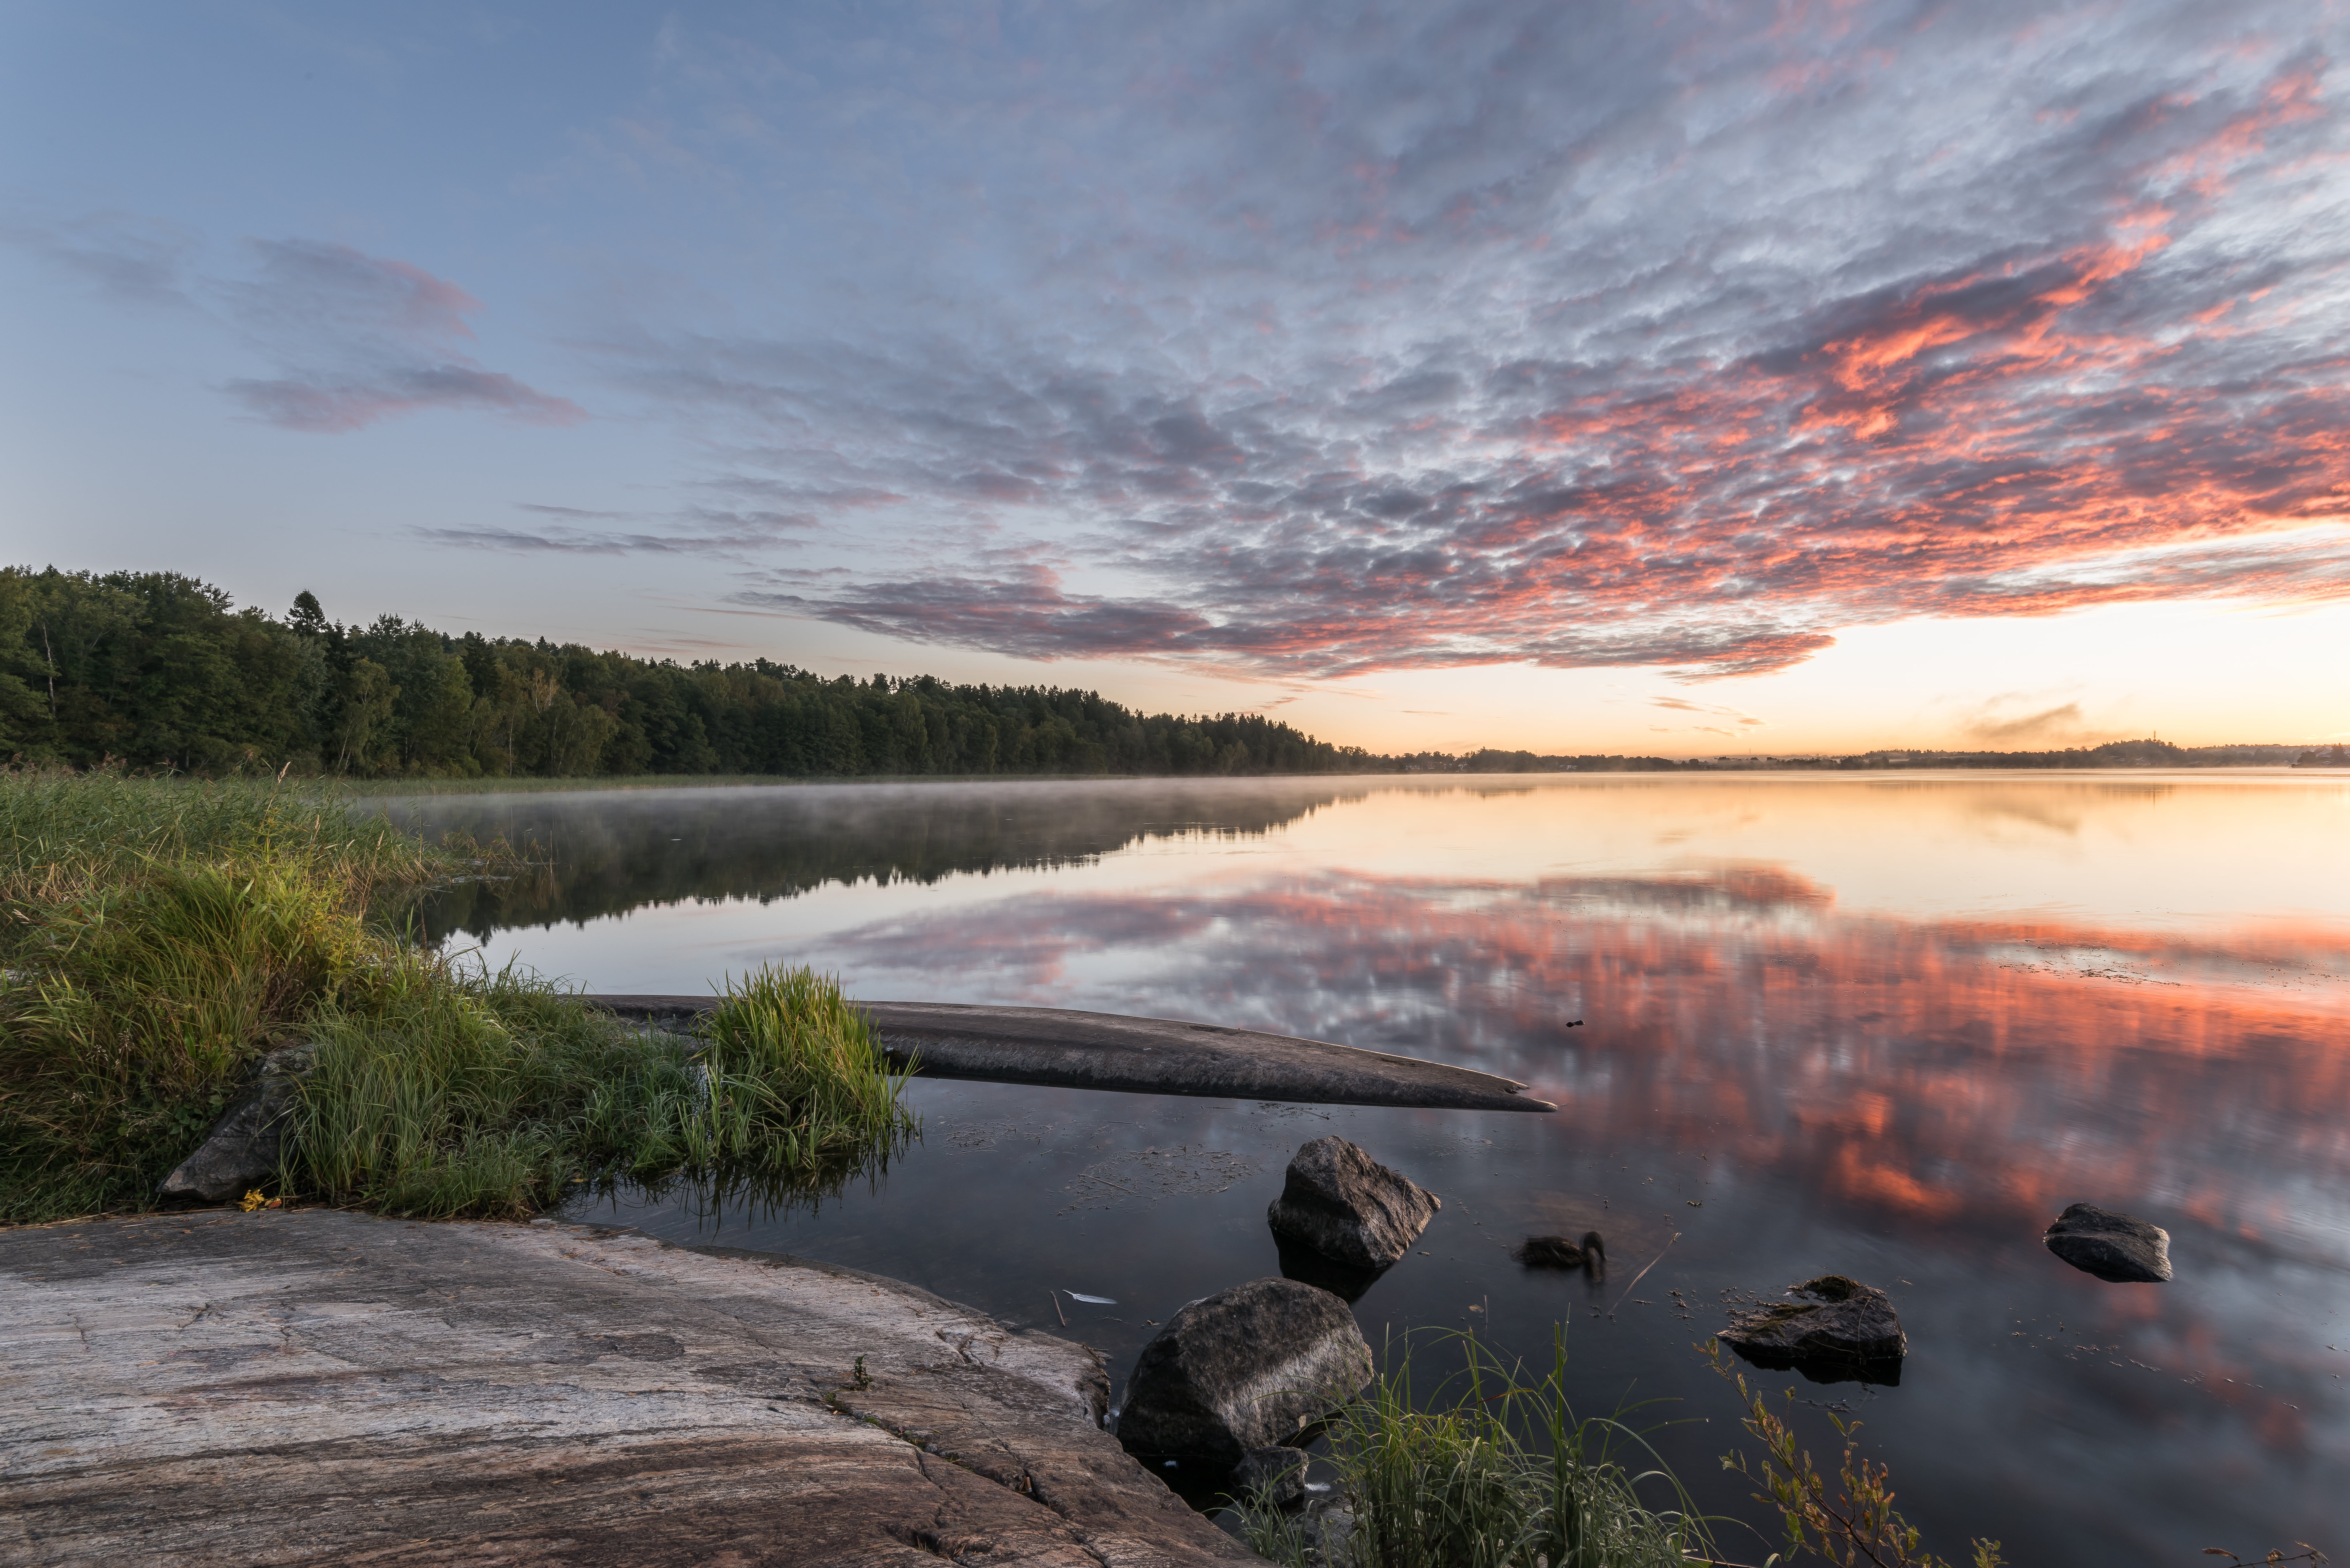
[[1886, 1027]]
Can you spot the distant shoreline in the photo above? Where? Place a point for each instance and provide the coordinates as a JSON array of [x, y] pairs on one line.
[[413, 789]]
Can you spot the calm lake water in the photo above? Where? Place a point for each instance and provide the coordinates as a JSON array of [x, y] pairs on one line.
[[1885, 1027]]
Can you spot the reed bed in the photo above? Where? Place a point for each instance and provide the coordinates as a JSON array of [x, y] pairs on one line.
[[158, 937], [66, 834]]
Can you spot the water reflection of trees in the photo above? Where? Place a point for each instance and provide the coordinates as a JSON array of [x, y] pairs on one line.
[[605, 854], [747, 1198]]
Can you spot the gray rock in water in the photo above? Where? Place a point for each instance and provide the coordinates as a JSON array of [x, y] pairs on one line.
[[1329, 1530], [1248, 1368], [1845, 1324], [1346, 1206], [243, 1150], [2111, 1246], [1275, 1475]]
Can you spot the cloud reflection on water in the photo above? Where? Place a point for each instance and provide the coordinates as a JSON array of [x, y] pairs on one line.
[[1889, 1027], [1949, 1085], [1955, 1072]]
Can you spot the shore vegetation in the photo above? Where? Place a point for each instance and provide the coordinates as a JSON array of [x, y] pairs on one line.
[[453, 1093], [160, 937], [1491, 1469]]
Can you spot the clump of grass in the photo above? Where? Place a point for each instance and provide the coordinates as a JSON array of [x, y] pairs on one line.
[[495, 1094], [795, 1080], [447, 1092], [158, 937], [1494, 1471]]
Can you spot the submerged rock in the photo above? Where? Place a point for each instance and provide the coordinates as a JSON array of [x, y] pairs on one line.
[[1558, 1253], [243, 1150], [1302, 1263], [1845, 1330], [1248, 1368], [1347, 1207], [1329, 1529], [2111, 1246], [1275, 1474]]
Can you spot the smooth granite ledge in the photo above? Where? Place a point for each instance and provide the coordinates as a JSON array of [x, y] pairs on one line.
[[313, 1386], [1064, 1049]]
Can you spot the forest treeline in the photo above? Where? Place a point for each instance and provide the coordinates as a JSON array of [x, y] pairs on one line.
[[155, 670], [158, 670]]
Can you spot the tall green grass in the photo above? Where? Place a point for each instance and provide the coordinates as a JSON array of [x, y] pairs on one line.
[[1491, 1470], [495, 1094], [158, 937], [64, 834], [795, 1080]]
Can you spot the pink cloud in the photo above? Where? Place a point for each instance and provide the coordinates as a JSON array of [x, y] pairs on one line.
[[361, 338]]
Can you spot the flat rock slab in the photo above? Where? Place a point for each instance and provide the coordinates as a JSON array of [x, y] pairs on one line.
[[315, 1387], [1142, 1055]]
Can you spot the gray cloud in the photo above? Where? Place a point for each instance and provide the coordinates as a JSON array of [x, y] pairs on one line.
[[577, 513], [128, 259], [355, 338], [696, 531], [1425, 337], [2061, 722], [353, 399], [1028, 615], [361, 338]]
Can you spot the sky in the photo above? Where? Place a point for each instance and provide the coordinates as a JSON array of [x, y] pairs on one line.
[[1697, 380]]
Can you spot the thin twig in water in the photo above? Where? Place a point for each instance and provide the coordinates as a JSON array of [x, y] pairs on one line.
[[1057, 1308], [1644, 1273], [1106, 1181]]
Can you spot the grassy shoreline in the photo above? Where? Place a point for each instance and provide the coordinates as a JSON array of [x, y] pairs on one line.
[[157, 937]]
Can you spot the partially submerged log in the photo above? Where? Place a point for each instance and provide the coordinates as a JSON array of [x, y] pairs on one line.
[[1064, 1049], [315, 1387]]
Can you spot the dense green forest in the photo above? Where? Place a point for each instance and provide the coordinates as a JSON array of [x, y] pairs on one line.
[[154, 669]]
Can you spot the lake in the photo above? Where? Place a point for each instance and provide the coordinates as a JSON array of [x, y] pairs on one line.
[[1886, 1026]]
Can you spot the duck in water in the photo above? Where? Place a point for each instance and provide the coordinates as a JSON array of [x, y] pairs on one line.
[[1558, 1253]]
